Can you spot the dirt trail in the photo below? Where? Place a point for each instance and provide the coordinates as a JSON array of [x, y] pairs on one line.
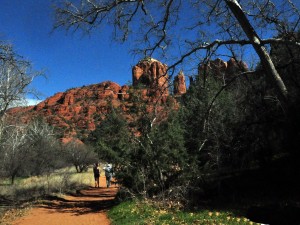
[[87, 207]]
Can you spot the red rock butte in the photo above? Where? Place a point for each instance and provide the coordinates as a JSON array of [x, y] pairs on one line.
[[179, 84], [77, 111], [221, 69], [151, 73]]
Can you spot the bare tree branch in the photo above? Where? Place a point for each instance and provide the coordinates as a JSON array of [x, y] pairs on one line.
[[15, 76], [208, 26]]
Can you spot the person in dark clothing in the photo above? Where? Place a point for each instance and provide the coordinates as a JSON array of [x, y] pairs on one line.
[[96, 171]]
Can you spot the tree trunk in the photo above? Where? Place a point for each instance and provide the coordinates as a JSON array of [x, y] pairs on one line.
[[259, 48], [13, 178], [77, 168]]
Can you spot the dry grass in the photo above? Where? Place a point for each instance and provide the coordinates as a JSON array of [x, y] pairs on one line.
[[59, 182], [7, 217], [20, 196]]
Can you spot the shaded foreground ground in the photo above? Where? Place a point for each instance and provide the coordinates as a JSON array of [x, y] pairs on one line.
[[87, 207]]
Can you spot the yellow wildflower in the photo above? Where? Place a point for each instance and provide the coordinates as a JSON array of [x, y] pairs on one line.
[[162, 212]]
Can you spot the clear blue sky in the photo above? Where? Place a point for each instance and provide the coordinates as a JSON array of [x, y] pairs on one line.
[[69, 60]]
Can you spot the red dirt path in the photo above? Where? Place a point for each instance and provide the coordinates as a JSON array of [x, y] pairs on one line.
[[87, 207]]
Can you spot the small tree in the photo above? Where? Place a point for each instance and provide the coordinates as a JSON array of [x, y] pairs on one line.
[[79, 155], [112, 138], [14, 151], [44, 149], [28, 149], [162, 156], [16, 74]]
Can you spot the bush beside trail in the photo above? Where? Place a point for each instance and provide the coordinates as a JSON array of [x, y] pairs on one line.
[[16, 199]]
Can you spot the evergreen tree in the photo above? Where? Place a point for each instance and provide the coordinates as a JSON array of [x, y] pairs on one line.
[[161, 156], [112, 138], [207, 125]]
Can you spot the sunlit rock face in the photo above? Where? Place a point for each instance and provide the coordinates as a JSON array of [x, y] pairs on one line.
[[153, 75], [179, 84], [77, 111]]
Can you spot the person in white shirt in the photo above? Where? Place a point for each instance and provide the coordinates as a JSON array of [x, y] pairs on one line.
[[108, 174]]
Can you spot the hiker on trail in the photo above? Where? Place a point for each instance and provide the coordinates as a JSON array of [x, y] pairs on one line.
[[108, 174], [96, 171]]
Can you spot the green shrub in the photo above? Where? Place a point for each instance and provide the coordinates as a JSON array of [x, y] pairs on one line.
[[145, 212]]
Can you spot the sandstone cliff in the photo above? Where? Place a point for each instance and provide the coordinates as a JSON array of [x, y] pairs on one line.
[[77, 111], [179, 84], [222, 70]]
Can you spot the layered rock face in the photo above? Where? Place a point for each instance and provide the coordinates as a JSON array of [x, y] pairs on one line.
[[221, 69], [179, 84], [78, 111], [153, 75]]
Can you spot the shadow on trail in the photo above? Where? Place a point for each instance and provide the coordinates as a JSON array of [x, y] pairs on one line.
[[95, 192], [85, 201]]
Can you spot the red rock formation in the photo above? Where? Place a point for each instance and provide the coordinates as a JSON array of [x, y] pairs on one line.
[[152, 74], [69, 98], [20, 109], [234, 67], [179, 84], [49, 101], [78, 111], [124, 93], [222, 70]]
